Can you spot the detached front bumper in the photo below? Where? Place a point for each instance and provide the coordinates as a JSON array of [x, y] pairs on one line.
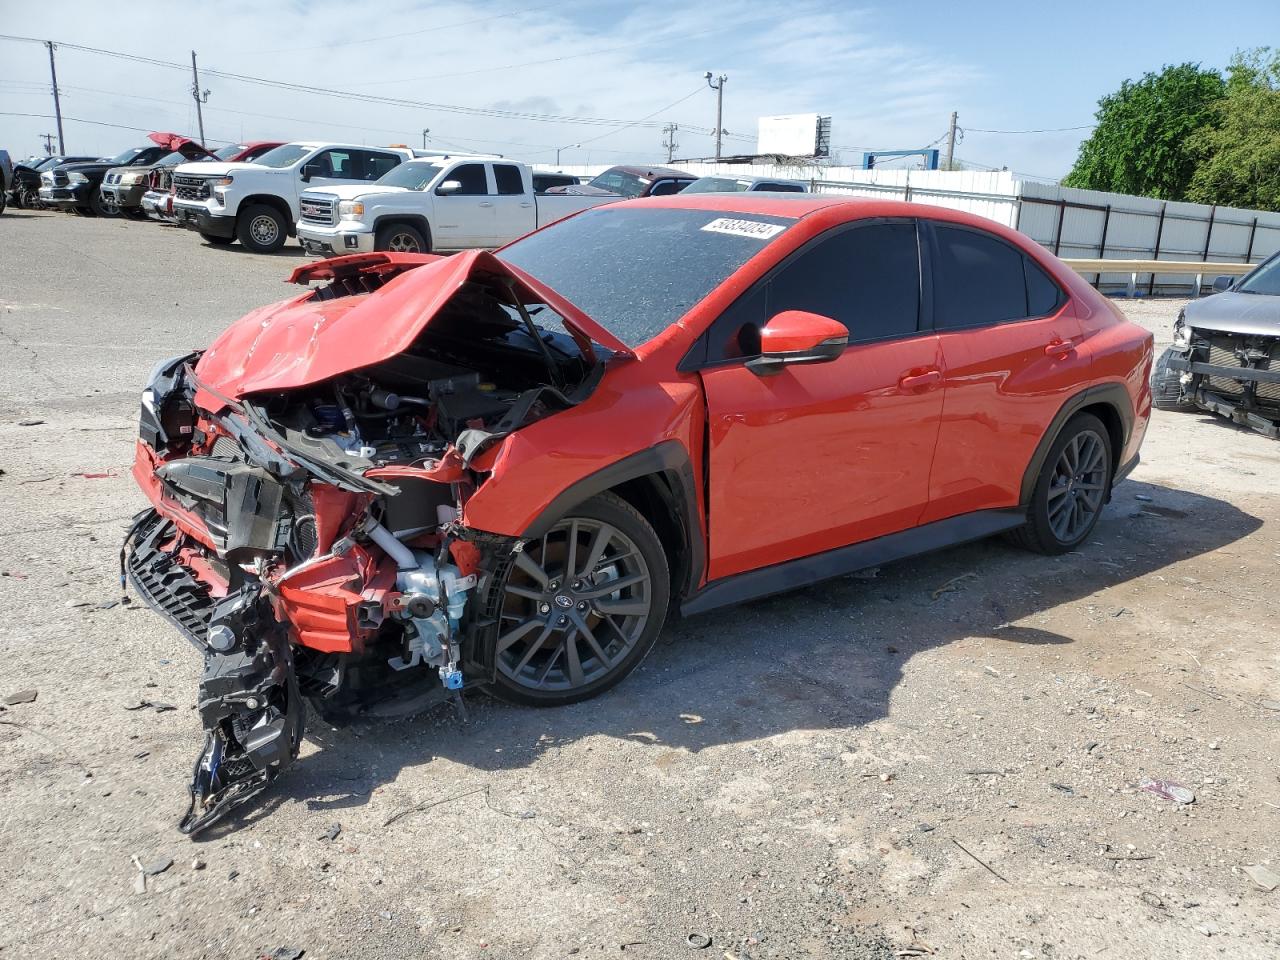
[[343, 238], [1247, 395]]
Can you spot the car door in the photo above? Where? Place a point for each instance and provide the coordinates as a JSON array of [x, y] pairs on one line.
[[819, 456], [464, 218], [514, 212], [1008, 337]]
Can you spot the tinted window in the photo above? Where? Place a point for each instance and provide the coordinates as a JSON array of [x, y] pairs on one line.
[[1264, 280], [779, 187], [665, 188], [378, 165], [977, 279], [336, 163], [638, 271], [867, 277], [508, 179], [1043, 295], [471, 176]]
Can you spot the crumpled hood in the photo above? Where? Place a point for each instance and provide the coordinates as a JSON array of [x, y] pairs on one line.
[[1248, 313], [352, 191], [304, 341]]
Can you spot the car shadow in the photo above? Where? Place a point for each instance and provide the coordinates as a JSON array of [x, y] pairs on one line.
[[288, 251], [826, 657]]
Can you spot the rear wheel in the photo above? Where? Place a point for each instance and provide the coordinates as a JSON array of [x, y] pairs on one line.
[[400, 238], [1166, 385], [581, 607], [1071, 490], [217, 241], [261, 228]]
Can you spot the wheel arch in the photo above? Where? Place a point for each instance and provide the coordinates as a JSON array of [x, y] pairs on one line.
[[1110, 403], [269, 200], [658, 482], [415, 220]]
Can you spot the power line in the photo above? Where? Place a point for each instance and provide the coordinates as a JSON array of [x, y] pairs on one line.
[[1087, 126], [643, 119]]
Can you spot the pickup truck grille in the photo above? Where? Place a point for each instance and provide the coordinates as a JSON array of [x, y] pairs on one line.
[[112, 178], [59, 178], [314, 210], [190, 188]]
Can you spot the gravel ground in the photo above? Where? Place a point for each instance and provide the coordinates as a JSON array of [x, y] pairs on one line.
[[943, 758]]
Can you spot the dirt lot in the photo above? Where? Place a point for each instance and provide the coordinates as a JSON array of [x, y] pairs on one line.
[[943, 758]]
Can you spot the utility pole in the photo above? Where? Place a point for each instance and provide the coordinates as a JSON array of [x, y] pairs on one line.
[[196, 94], [718, 87], [951, 140], [57, 103], [48, 143], [425, 131], [669, 140]]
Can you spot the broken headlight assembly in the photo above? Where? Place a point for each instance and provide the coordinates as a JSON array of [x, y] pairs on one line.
[[1181, 332]]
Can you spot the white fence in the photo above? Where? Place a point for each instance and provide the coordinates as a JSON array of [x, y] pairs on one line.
[[1071, 223]]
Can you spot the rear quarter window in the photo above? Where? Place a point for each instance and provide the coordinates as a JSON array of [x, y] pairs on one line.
[[980, 279]]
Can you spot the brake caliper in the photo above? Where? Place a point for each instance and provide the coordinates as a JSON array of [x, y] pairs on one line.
[[250, 707]]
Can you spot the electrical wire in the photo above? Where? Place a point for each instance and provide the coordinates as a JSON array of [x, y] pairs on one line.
[[1087, 126]]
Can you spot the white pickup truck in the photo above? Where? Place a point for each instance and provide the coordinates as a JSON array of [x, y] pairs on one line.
[[257, 203], [432, 205]]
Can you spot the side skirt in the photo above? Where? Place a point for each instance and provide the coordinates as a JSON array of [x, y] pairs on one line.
[[806, 571]]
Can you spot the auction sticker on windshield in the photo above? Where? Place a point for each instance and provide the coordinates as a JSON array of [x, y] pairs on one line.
[[745, 228]]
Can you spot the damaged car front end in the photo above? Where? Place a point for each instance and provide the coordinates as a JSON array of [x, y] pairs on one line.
[[1225, 357], [307, 477]]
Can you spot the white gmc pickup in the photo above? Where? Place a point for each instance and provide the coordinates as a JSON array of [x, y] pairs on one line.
[[257, 203], [432, 205]]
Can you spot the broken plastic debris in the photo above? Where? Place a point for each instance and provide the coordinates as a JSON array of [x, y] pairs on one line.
[[22, 696], [699, 941], [30, 422], [1169, 790], [1264, 877]]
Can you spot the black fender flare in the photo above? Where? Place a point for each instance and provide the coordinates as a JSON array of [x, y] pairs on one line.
[[669, 463], [1113, 395]]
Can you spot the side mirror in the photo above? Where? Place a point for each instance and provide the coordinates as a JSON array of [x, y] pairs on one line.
[[796, 336], [448, 187], [310, 170], [1223, 284]]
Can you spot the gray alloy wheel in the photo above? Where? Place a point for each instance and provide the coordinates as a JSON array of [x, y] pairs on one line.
[[261, 228], [104, 207], [400, 238], [581, 606], [1073, 486]]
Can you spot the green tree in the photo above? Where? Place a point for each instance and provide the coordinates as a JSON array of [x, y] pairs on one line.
[[1238, 156], [1140, 144]]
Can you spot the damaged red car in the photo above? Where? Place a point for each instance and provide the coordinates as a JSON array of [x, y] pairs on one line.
[[424, 474]]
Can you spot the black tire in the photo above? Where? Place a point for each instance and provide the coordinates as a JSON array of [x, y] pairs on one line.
[[567, 612], [1166, 385], [1044, 531], [261, 228], [217, 241], [101, 207], [401, 238]]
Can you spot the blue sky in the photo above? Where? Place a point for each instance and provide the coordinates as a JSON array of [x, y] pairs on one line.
[[889, 73]]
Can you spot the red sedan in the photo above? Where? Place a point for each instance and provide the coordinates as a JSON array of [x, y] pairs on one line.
[[508, 470]]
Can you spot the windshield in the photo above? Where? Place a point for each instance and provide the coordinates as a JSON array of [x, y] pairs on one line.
[[123, 159], [413, 175], [636, 272], [285, 155], [1264, 280], [49, 163], [229, 151], [717, 185], [624, 184]]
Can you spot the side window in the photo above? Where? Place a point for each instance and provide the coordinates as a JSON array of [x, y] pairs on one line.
[[664, 188], [866, 276], [508, 179], [1044, 296], [472, 178], [978, 279], [377, 165], [334, 163]]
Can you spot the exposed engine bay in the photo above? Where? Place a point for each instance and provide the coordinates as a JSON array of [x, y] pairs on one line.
[[308, 541]]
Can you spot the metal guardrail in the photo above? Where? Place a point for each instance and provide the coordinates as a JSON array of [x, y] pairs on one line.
[[1200, 268]]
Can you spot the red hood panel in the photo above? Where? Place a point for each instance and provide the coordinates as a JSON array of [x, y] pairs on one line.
[[304, 341]]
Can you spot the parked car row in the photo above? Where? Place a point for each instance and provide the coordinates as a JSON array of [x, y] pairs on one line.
[[337, 198]]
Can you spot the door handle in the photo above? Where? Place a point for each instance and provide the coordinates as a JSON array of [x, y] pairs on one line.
[[915, 381], [1058, 348], [485, 203]]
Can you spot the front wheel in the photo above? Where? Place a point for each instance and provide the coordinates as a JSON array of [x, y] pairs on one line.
[[400, 238], [103, 206], [261, 228], [1071, 490], [581, 607]]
